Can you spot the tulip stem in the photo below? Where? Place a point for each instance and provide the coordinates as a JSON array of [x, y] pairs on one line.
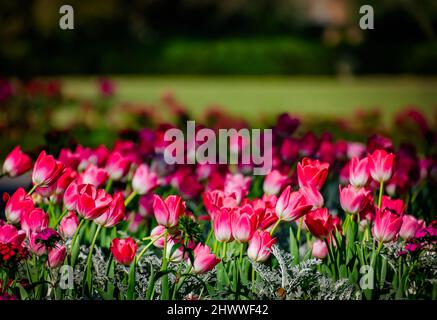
[[164, 292], [130, 198], [298, 229], [89, 259], [147, 247], [61, 216], [275, 226], [32, 190], [108, 185], [331, 255], [224, 251], [253, 279], [381, 189]]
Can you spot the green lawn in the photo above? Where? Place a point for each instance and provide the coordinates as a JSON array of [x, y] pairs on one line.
[[253, 97]]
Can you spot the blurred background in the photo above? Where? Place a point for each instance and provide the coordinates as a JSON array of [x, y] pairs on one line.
[[129, 64]]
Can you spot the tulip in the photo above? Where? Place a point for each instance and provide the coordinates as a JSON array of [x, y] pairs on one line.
[[223, 225], [56, 256], [92, 203], [69, 159], [124, 250], [176, 254], [396, 205], [319, 249], [387, 225], [117, 166], [144, 180], [17, 205], [216, 200], [35, 246], [16, 163], [65, 180], [274, 182], [320, 223], [168, 211], [93, 175], [10, 234], [353, 200], [69, 225], [312, 172], [409, 227], [145, 205], [237, 185], [358, 172], [71, 195], [157, 236], [313, 196], [381, 165], [35, 220], [46, 170], [260, 246], [292, 205], [244, 223], [204, 260], [114, 214]]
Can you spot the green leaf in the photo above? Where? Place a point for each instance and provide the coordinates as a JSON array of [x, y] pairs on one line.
[[131, 281], [294, 248]]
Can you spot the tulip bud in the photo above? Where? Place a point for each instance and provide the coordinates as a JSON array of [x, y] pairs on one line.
[[292, 205], [204, 260], [16, 163], [319, 249], [353, 200], [19, 204], [312, 172], [381, 165], [68, 225], [260, 246], [46, 170], [320, 223], [387, 225], [56, 256], [144, 180], [124, 250], [223, 225], [167, 212], [117, 166], [274, 182], [358, 172], [409, 227]]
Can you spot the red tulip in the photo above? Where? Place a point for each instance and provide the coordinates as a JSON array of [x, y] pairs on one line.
[[319, 249], [16, 163], [312, 172], [92, 203], [117, 166], [358, 172], [71, 195], [353, 200], [216, 200], [260, 246], [320, 223], [313, 196], [204, 260], [395, 205], [144, 180], [292, 205], [17, 205], [68, 225], [381, 165], [35, 220], [10, 234], [223, 225], [65, 180], [93, 175], [124, 250], [409, 227], [56, 256], [46, 170], [387, 225], [168, 211], [115, 213], [244, 222], [274, 182]]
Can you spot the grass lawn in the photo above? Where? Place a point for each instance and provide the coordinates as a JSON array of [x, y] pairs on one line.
[[253, 97]]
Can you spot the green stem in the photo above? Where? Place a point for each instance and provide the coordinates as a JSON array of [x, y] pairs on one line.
[[381, 191], [108, 185], [130, 198], [147, 247], [32, 190], [253, 279], [224, 251], [275, 226], [61, 216], [298, 230], [165, 292], [90, 256]]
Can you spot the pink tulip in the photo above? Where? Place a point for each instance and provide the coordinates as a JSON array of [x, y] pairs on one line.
[[157, 236], [174, 255], [92, 203], [274, 182], [115, 213], [124, 250], [292, 205], [93, 175], [358, 172], [215, 200], [312, 172], [204, 260], [387, 225], [381, 165], [396, 205], [117, 166], [168, 211], [35, 220], [237, 185], [145, 205], [244, 223], [353, 200], [17, 205], [16, 163], [35, 245], [144, 180], [260, 246], [69, 225], [223, 225], [319, 249], [56, 256], [10, 234], [409, 227], [71, 195], [69, 159], [65, 180], [313, 196], [46, 170]]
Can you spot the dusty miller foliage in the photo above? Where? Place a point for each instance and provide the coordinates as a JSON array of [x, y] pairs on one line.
[[301, 281]]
